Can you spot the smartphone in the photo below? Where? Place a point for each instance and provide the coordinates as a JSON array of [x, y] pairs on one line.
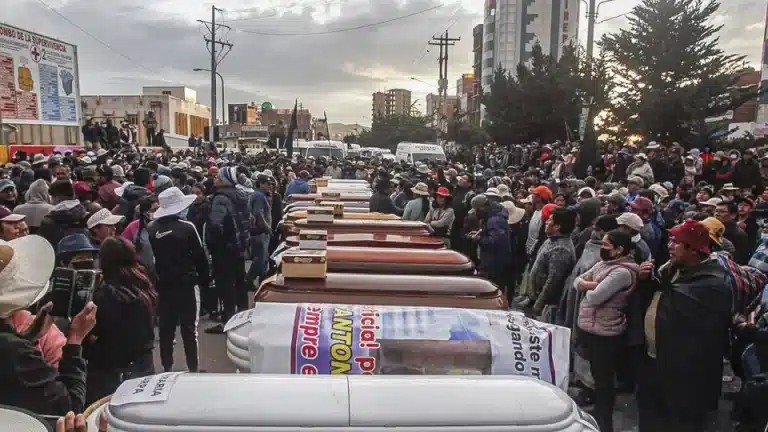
[[62, 282], [82, 290]]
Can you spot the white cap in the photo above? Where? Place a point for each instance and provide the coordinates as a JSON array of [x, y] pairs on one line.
[[711, 202]]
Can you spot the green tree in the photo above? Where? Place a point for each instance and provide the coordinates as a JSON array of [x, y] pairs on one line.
[[388, 131], [540, 102], [670, 72], [350, 139]]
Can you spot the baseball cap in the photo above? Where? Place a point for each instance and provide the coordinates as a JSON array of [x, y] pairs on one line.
[[693, 234], [542, 191], [6, 215], [716, 229], [642, 204], [103, 217], [711, 202], [631, 221]]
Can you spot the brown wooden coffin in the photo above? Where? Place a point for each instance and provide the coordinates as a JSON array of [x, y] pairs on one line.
[[345, 197], [302, 214], [398, 261], [347, 226], [390, 289], [377, 240]]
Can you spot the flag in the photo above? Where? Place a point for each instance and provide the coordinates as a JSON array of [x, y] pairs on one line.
[[327, 127], [292, 127]]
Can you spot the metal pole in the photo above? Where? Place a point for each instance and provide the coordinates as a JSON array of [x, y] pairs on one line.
[[213, 74], [223, 106], [591, 18]]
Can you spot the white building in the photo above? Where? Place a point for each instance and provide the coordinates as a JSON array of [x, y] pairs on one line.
[[175, 108], [512, 27]]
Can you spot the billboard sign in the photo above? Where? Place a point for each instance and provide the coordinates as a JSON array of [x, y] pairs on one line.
[[38, 79]]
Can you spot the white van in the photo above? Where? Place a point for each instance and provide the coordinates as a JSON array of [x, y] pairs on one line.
[[316, 149], [340, 403], [413, 152]]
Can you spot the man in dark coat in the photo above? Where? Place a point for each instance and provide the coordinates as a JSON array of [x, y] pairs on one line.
[[686, 330]]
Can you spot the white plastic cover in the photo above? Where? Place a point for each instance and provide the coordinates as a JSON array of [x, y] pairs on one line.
[[323, 339], [218, 402]]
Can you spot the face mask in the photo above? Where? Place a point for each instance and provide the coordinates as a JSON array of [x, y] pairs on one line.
[[635, 238], [183, 214], [605, 254], [83, 265]]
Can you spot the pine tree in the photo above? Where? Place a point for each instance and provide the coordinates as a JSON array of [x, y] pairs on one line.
[[669, 71]]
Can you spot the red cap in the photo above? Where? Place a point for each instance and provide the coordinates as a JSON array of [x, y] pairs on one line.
[[443, 191], [542, 191], [212, 171], [82, 187], [546, 211], [642, 204], [692, 234]]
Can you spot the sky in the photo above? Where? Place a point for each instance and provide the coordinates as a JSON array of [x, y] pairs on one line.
[[124, 45]]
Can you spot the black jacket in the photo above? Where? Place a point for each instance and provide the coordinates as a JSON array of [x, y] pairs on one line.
[[225, 223], [379, 203], [180, 259], [116, 344], [29, 382]]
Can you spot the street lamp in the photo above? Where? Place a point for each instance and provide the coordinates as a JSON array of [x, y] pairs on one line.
[[223, 111]]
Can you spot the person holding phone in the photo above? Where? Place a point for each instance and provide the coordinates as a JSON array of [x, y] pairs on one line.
[[124, 336], [27, 380]]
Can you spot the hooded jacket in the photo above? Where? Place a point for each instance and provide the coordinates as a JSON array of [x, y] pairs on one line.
[[67, 217], [225, 230], [297, 186], [38, 204], [495, 250]]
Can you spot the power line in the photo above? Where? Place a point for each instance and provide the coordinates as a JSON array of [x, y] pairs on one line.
[[92, 36], [425, 48], [359, 27]]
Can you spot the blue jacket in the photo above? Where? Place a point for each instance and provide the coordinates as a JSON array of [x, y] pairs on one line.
[[495, 249], [297, 186]]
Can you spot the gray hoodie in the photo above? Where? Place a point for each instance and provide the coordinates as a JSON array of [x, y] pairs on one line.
[[38, 203]]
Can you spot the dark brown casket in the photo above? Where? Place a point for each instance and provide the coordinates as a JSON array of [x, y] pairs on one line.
[[385, 289], [377, 240], [346, 226]]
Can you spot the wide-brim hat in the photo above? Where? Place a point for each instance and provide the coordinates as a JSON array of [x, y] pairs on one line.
[[119, 191], [516, 214], [423, 169], [420, 189], [173, 201], [27, 263]]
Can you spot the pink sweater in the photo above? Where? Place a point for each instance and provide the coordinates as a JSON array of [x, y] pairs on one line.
[[50, 343]]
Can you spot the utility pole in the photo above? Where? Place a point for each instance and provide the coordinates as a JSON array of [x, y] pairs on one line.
[[211, 43], [442, 84], [591, 18]]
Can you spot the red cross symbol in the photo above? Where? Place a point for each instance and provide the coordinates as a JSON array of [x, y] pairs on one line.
[[35, 51]]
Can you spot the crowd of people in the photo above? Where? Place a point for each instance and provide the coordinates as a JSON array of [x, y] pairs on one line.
[[655, 257]]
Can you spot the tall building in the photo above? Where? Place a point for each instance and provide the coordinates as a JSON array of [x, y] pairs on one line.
[[393, 102], [477, 66], [465, 91], [513, 27], [379, 104], [438, 111]]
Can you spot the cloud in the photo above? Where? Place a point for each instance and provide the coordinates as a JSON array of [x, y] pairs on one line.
[[160, 42], [334, 72]]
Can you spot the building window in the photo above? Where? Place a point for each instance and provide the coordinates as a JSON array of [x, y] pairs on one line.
[[490, 28], [198, 125], [167, 92], [488, 63], [182, 124], [488, 46], [132, 119]]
